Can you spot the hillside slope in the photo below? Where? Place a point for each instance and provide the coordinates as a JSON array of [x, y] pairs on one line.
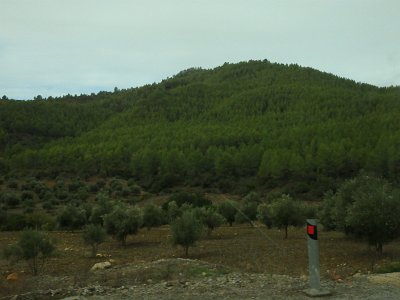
[[236, 127]]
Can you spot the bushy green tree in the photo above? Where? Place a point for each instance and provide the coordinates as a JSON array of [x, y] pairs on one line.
[[326, 214], [102, 207], [26, 196], [10, 199], [34, 247], [366, 207], [210, 217], [93, 235], [72, 218], [40, 221], [14, 222], [186, 230], [286, 212], [247, 211], [193, 199], [173, 211], [152, 216], [122, 221], [228, 210], [264, 214]]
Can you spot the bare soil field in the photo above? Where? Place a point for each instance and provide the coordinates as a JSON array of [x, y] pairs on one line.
[[241, 248]]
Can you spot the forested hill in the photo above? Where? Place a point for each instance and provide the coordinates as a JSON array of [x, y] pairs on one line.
[[236, 127]]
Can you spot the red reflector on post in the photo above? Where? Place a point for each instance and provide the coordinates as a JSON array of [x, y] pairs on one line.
[[310, 229]]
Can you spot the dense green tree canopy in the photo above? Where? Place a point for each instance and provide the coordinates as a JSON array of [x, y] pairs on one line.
[[366, 207], [235, 127]]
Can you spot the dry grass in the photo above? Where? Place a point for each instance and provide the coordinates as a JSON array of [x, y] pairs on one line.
[[239, 247]]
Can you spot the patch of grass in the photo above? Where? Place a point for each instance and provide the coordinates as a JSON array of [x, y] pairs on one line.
[[390, 267]]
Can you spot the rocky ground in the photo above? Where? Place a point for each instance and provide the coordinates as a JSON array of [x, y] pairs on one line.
[[194, 279]]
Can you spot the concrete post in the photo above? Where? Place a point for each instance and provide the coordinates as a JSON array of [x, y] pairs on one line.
[[313, 261]]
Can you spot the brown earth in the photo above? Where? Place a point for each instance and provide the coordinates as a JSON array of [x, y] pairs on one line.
[[239, 248]]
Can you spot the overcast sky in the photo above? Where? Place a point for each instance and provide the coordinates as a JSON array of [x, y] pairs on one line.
[[55, 47]]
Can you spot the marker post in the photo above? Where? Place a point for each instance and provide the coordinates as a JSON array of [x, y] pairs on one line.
[[313, 261]]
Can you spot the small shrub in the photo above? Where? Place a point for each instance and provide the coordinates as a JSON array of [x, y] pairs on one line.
[[83, 194], [100, 184], [74, 186], [61, 194], [47, 205], [12, 184], [29, 206], [26, 195], [14, 222], [131, 182], [193, 199], [46, 195], [115, 185], [173, 211], [93, 188], [39, 188], [125, 192], [10, 199]]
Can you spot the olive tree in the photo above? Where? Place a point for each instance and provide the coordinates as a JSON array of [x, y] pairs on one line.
[[152, 216], [122, 221], [373, 214], [366, 207], [286, 212], [264, 214], [34, 247], [228, 210], [93, 235], [72, 217], [247, 212], [186, 230], [210, 218]]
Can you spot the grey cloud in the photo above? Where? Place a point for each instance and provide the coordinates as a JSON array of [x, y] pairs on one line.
[[54, 47]]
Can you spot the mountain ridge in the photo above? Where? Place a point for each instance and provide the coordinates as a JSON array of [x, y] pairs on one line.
[[255, 122]]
